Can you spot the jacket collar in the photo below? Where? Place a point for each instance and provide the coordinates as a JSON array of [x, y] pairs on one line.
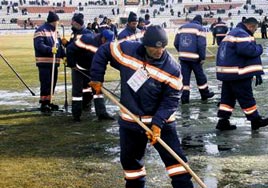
[[242, 26]]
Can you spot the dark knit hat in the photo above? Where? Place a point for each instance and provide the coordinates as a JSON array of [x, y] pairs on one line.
[[132, 17], [108, 34], [79, 18], [141, 19], [155, 36], [52, 17], [198, 18]]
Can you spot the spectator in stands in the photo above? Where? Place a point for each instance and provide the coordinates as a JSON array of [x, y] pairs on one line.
[[95, 25], [243, 19], [117, 10], [190, 42], [48, 50], [131, 31], [220, 30]]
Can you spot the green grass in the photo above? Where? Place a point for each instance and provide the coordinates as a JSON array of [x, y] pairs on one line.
[[50, 151]]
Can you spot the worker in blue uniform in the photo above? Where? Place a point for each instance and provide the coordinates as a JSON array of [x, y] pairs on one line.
[[238, 61], [131, 32], [190, 42], [220, 29], [151, 83], [46, 44]]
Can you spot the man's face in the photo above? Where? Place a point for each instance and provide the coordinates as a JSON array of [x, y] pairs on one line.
[[75, 25], [252, 28], [133, 25], [155, 52], [55, 24]]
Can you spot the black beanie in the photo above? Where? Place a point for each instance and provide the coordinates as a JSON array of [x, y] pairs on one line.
[[52, 17], [79, 18], [132, 17], [155, 36], [198, 18]]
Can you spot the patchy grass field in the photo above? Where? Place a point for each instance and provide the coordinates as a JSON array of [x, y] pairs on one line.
[[52, 152]]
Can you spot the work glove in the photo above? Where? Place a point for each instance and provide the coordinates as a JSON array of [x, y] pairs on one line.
[[96, 86], [64, 41], [156, 134], [258, 80], [54, 50], [64, 61]]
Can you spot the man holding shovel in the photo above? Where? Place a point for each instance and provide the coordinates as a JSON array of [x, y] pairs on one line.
[[48, 51], [150, 88]]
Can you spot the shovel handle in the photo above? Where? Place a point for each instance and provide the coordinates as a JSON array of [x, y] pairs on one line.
[[186, 166]]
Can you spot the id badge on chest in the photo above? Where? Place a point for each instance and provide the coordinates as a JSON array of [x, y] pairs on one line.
[[138, 79]]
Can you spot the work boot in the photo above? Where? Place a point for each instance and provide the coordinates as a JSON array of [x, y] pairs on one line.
[[206, 94], [224, 125], [259, 122], [185, 97], [76, 110], [45, 108], [105, 116], [53, 107]]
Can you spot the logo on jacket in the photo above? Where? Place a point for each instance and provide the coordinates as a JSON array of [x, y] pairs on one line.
[[186, 40], [222, 51]]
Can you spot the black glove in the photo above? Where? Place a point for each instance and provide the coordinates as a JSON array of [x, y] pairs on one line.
[[258, 80]]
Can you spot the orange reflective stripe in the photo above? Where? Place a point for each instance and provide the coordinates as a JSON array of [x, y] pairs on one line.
[[44, 34], [154, 72], [250, 110], [240, 71], [176, 170], [203, 86], [186, 87], [98, 96], [192, 31], [144, 119], [86, 90], [132, 37], [45, 98], [225, 107], [220, 35], [46, 60], [189, 55], [134, 174], [77, 98], [230, 38], [88, 47], [220, 25]]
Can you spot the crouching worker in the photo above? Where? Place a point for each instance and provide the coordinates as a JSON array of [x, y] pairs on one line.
[[238, 61], [151, 83]]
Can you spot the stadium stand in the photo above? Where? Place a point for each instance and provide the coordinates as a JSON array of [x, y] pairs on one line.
[[168, 13]]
